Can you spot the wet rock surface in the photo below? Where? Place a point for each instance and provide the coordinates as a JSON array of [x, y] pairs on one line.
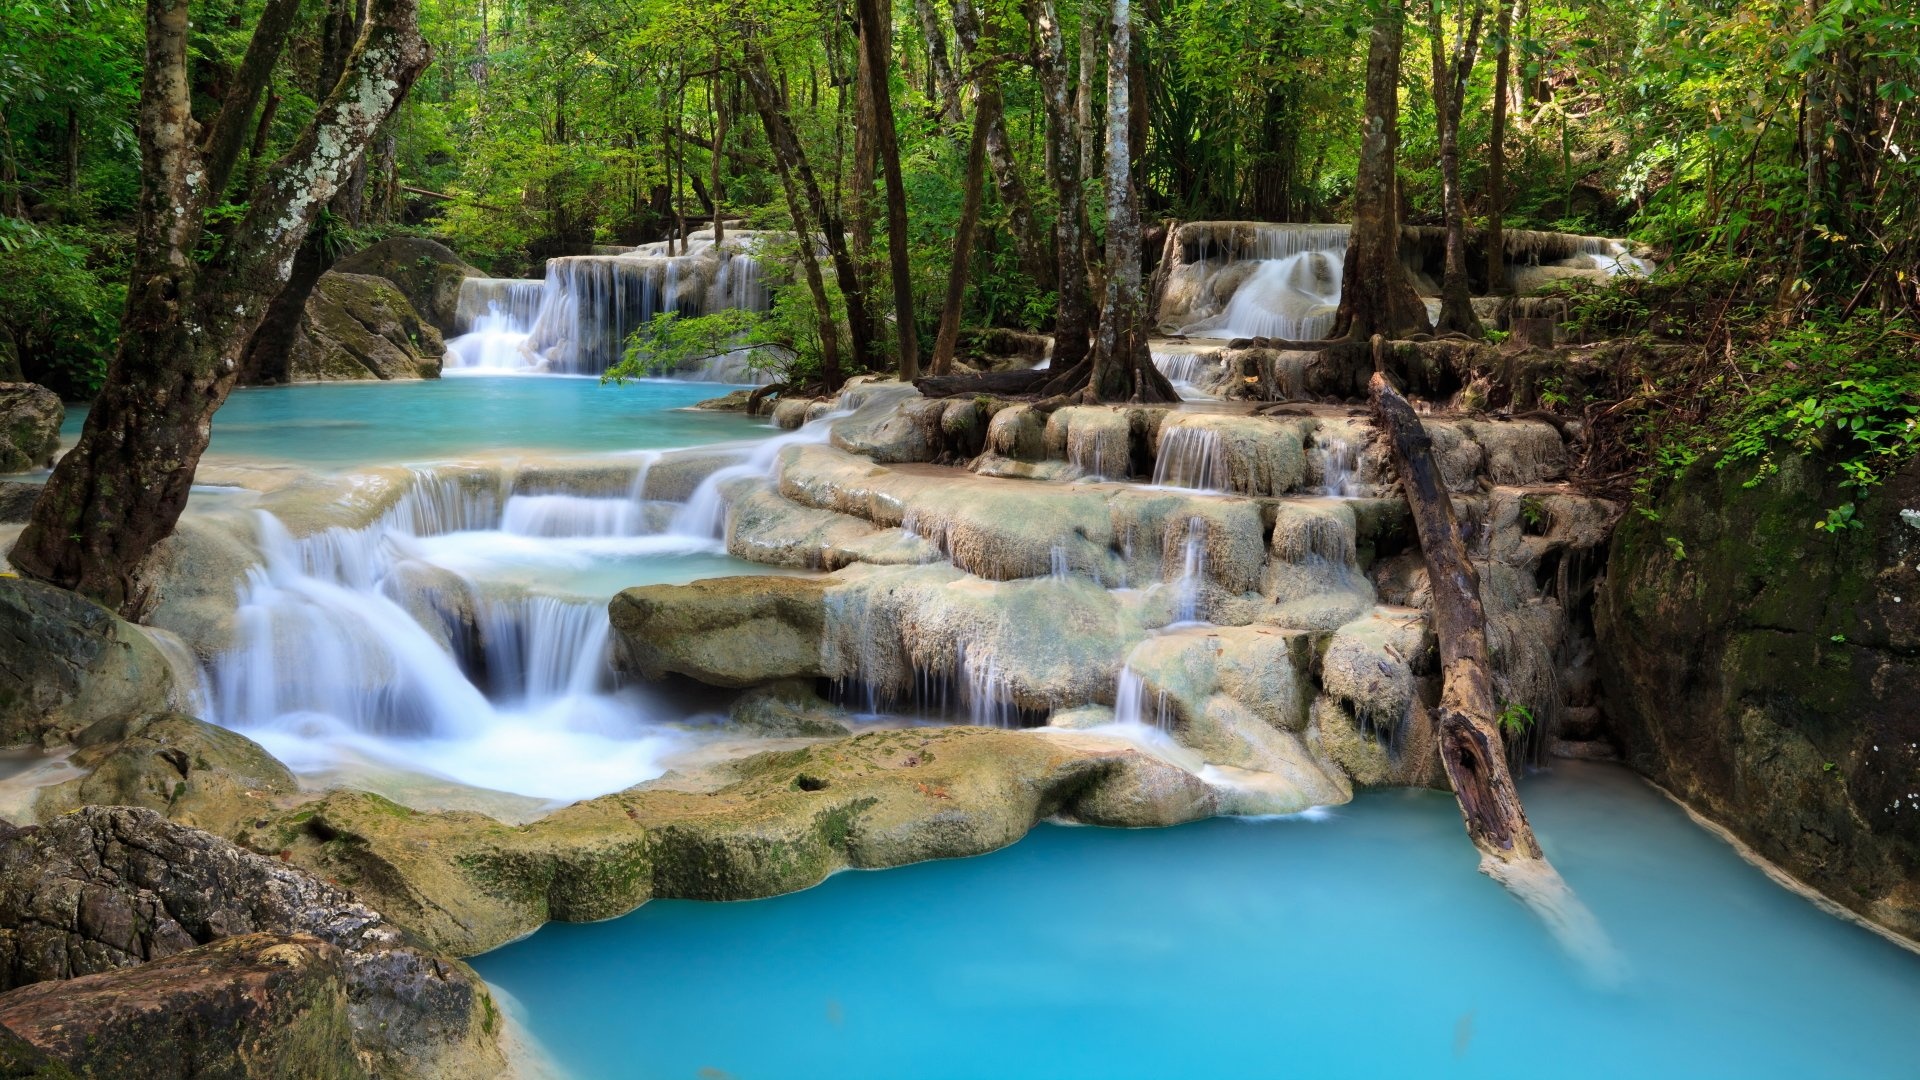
[[30, 417], [191, 771], [1765, 672], [66, 662], [358, 326], [108, 888], [758, 826]]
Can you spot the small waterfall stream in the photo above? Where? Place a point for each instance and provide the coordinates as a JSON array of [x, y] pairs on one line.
[[576, 320]]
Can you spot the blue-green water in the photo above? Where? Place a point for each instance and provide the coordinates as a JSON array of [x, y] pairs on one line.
[[372, 423], [1358, 944]]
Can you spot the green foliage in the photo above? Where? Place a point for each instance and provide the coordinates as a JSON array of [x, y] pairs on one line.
[[671, 340], [1515, 719], [61, 304]]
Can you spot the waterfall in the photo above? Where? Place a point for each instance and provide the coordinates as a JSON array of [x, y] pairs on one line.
[[1130, 703], [704, 514], [1191, 457], [1189, 370], [498, 314], [1335, 455], [372, 644], [1191, 584], [989, 698]]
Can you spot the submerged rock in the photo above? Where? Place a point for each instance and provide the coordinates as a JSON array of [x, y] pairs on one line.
[[358, 326], [66, 662], [1766, 672], [788, 708], [30, 417], [109, 888]]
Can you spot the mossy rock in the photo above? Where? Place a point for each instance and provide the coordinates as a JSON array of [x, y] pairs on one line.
[[66, 662], [189, 770], [359, 326], [1765, 671], [30, 418], [426, 272]]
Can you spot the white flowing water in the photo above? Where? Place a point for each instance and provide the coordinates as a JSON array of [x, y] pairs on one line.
[[1191, 457], [1133, 703], [1335, 455], [497, 314], [1190, 586], [434, 640]]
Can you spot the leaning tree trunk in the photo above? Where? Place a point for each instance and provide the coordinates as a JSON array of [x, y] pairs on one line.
[[1375, 295], [1123, 366], [876, 18], [947, 338], [1449, 87], [266, 355], [1471, 749], [121, 489], [803, 195], [1074, 315], [1470, 743], [791, 159]]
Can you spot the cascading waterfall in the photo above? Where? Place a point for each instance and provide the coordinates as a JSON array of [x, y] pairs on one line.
[[1191, 457], [1134, 704], [1241, 279], [1335, 456], [576, 321], [381, 644], [1190, 587]]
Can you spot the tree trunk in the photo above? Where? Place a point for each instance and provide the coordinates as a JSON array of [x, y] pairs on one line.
[[971, 197], [1497, 153], [1036, 261], [1470, 743], [859, 195], [944, 79], [876, 23], [1123, 366], [1074, 315], [1449, 87], [1375, 295], [791, 161], [1083, 94], [718, 151], [121, 489]]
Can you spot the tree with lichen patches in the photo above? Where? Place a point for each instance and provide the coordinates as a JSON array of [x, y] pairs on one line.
[[189, 313]]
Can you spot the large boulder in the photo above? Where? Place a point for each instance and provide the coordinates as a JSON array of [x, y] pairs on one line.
[[427, 273], [109, 887], [731, 631], [66, 662], [358, 326], [256, 1005], [189, 770], [1769, 674], [30, 417], [16, 501]]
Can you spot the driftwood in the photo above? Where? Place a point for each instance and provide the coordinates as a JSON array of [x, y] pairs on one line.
[[1470, 744]]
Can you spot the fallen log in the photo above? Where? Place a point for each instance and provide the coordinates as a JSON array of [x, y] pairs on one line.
[[1017, 381], [1470, 744], [1471, 749]]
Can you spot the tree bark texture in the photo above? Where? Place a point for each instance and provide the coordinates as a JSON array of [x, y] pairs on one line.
[[1376, 296], [1123, 365], [1449, 90], [1497, 152], [1074, 314], [1470, 745], [122, 488], [1036, 260], [972, 195], [876, 24]]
